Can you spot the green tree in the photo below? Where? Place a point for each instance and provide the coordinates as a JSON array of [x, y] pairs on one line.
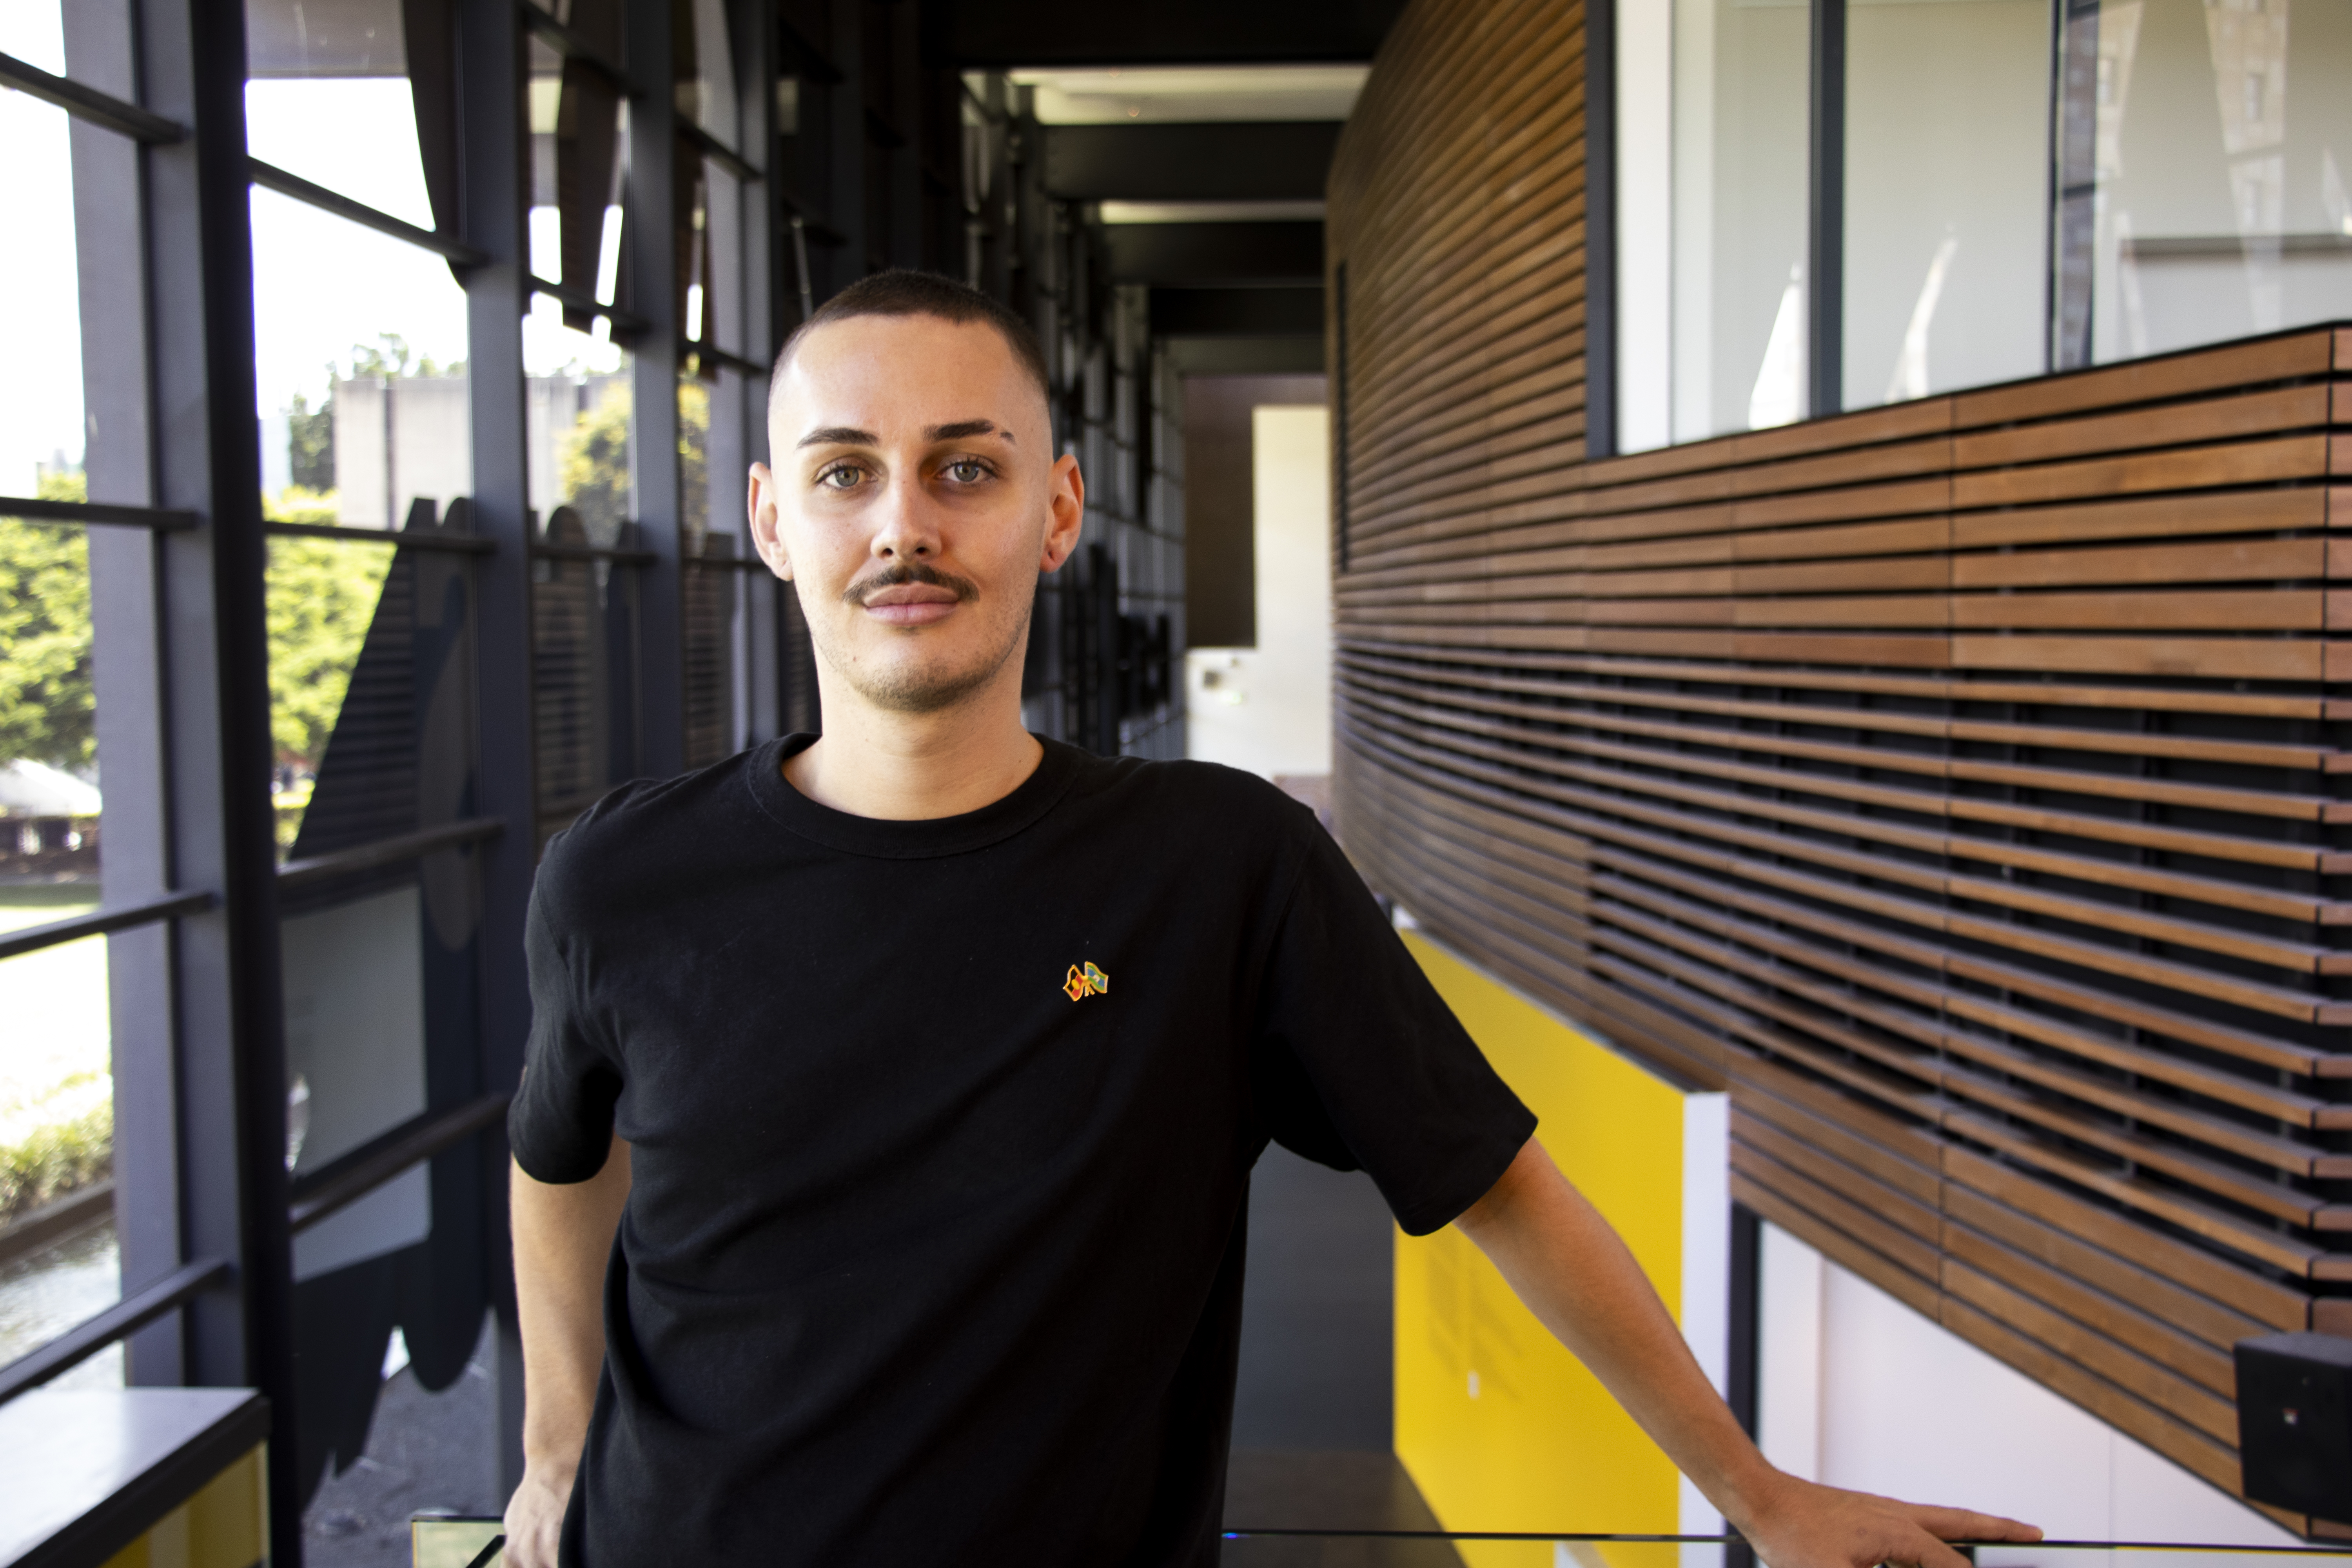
[[46, 700], [322, 595], [596, 464], [311, 440]]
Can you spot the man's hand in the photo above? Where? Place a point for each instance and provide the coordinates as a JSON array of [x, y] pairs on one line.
[[1797, 1524], [535, 1518], [1574, 1273]]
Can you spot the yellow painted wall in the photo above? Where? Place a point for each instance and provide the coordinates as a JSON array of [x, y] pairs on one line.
[[1535, 1443], [226, 1525]]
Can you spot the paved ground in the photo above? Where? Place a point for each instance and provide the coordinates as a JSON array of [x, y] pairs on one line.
[[426, 1453]]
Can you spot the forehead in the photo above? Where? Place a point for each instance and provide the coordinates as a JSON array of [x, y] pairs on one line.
[[887, 369]]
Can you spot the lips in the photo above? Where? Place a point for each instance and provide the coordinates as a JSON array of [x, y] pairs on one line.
[[910, 604]]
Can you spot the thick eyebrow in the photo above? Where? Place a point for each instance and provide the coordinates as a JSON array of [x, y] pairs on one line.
[[962, 428], [839, 435]]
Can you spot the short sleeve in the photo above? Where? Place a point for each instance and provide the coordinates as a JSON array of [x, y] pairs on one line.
[[1358, 1061], [561, 1122]]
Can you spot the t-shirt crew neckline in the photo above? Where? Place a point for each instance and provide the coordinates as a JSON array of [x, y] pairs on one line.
[[926, 838]]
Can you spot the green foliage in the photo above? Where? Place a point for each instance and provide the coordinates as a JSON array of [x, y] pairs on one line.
[[49, 1161], [322, 595], [310, 441], [595, 466], [46, 700], [297, 503]]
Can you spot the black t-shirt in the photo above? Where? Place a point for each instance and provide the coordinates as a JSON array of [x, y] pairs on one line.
[[941, 1135]]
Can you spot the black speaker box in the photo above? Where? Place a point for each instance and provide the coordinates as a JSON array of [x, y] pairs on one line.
[[2294, 1422]]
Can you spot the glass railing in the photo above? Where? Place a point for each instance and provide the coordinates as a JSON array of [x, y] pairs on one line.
[[447, 1542]]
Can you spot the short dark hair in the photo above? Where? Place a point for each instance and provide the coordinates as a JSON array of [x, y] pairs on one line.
[[902, 291]]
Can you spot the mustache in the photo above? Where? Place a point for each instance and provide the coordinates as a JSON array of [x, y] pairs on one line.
[[902, 572]]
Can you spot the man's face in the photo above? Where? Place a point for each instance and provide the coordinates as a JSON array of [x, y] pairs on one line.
[[913, 500]]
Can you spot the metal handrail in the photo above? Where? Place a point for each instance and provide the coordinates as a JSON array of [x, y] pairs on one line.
[[87, 104], [388, 851], [84, 513], [343, 1182], [119, 1322], [99, 922]]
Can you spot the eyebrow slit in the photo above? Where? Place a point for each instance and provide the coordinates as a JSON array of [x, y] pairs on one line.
[[964, 428], [839, 435]]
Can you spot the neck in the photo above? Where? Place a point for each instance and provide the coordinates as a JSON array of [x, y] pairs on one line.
[[908, 767]]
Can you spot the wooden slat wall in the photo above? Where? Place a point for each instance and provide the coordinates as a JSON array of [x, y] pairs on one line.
[[1959, 783]]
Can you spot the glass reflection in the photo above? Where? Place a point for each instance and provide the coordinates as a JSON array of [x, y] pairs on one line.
[[1740, 197], [703, 59], [1948, 106], [2203, 151]]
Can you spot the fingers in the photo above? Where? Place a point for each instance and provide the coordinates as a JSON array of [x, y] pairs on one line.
[[1965, 1524], [1918, 1548]]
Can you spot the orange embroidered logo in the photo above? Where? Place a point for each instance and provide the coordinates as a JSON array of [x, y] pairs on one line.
[[1086, 981]]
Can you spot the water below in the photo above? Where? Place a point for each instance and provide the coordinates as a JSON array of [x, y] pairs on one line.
[[44, 1295]]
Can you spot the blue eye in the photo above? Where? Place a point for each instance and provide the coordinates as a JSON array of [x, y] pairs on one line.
[[967, 470], [840, 478]]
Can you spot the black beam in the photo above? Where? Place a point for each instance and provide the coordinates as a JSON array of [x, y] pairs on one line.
[[968, 34], [1228, 160], [89, 103], [1236, 312], [1825, 217], [1215, 252]]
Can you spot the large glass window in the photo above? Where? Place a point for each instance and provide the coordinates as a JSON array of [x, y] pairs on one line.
[[1741, 132], [56, 1072], [360, 358], [2204, 152], [330, 97], [1948, 111]]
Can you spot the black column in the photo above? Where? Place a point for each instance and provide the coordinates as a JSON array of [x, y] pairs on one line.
[[216, 651], [491, 77]]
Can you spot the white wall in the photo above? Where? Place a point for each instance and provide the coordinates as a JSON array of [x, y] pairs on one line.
[[1646, 129], [1268, 708], [1855, 1389]]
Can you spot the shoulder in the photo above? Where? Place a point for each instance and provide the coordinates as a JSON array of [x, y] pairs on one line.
[[1187, 793], [646, 827]]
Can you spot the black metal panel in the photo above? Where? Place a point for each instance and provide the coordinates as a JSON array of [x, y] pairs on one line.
[[1231, 161], [1826, 215], [652, 268], [1218, 253], [1236, 312], [1601, 231], [1206, 32]]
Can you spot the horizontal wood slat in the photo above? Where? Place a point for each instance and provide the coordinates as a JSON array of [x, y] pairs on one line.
[[1961, 783]]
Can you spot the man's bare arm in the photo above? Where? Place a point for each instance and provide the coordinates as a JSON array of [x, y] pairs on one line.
[[1574, 1273], [562, 1241]]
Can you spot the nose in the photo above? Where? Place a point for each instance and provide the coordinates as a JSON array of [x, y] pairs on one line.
[[905, 529]]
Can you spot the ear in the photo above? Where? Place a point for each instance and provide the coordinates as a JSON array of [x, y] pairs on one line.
[[767, 534], [1066, 502]]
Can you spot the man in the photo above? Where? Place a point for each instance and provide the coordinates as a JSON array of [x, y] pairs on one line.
[[883, 1155]]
